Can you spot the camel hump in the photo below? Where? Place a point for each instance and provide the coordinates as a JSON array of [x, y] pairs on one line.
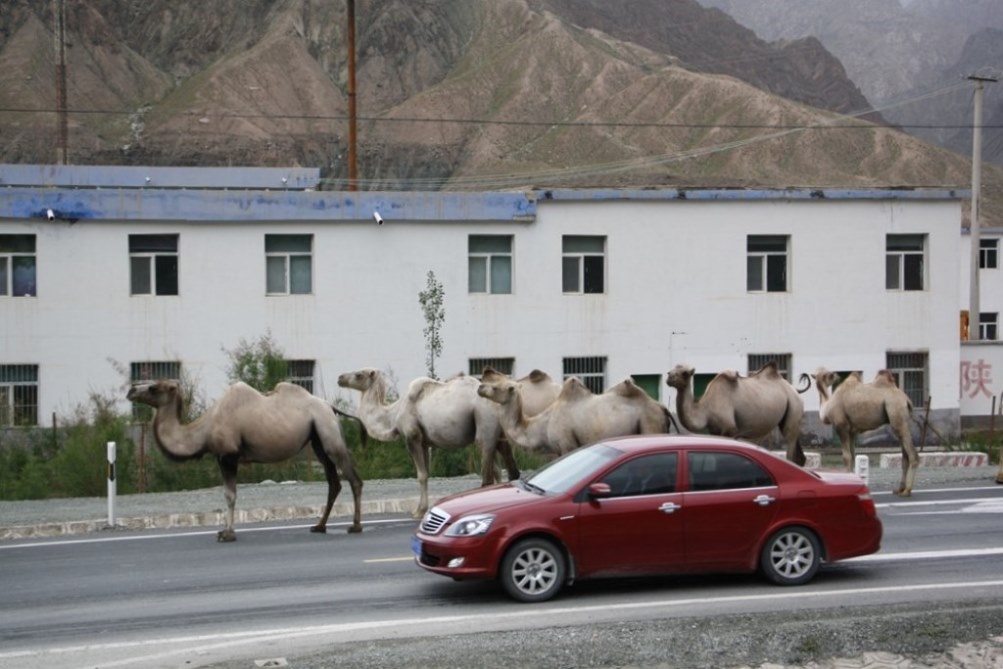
[[536, 376], [768, 370], [573, 389], [729, 375], [420, 386], [885, 378], [627, 388], [492, 375]]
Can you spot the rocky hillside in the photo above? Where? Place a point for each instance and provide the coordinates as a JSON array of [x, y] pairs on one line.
[[451, 93]]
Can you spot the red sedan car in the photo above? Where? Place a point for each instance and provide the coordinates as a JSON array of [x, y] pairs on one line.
[[653, 504]]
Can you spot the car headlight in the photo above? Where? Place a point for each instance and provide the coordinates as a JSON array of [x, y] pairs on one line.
[[470, 526]]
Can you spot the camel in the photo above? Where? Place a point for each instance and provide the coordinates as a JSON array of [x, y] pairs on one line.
[[537, 389], [744, 407], [856, 407], [245, 426], [446, 414], [577, 416]]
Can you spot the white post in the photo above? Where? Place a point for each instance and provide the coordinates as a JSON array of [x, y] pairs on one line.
[[112, 484], [861, 467], [974, 299]]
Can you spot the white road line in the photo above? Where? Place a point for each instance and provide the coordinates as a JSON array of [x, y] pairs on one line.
[[200, 644]]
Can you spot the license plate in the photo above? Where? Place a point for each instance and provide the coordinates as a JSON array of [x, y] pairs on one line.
[[416, 546]]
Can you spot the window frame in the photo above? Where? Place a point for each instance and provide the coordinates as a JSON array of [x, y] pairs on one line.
[[899, 276], [911, 370], [489, 261], [989, 249], [19, 380], [155, 262], [289, 258], [989, 325], [10, 257], [476, 366], [766, 261], [587, 265], [302, 373]]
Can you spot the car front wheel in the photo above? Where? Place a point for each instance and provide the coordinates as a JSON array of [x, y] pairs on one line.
[[533, 570], [791, 556]]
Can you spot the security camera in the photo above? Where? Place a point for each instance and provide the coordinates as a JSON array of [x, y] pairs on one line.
[[377, 218], [50, 215]]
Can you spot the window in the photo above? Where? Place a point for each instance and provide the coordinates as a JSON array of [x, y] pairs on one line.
[[151, 371], [18, 395], [289, 264], [782, 360], [904, 262], [989, 326], [649, 383], [989, 250], [592, 372], [766, 263], [17, 265], [647, 475], [153, 264], [300, 372], [910, 371], [583, 268], [503, 365], [489, 264], [725, 471]]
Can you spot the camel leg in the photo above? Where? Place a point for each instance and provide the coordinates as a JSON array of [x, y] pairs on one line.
[[795, 453], [910, 463], [999, 474], [228, 469], [419, 454], [846, 437], [505, 448], [334, 456]]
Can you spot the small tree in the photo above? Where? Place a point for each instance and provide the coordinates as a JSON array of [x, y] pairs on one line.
[[260, 364], [431, 300]]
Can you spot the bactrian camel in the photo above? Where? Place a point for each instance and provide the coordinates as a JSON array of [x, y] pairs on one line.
[[742, 407], [856, 407], [445, 414], [245, 426], [577, 416]]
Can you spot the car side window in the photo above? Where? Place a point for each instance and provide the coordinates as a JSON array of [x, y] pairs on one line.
[[647, 475], [725, 471]]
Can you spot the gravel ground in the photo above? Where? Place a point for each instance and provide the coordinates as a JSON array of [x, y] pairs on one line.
[[896, 637]]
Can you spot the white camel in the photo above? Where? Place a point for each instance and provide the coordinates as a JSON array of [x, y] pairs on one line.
[[577, 416], [744, 407], [855, 407], [537, 389], [245, 426], [445, 414]]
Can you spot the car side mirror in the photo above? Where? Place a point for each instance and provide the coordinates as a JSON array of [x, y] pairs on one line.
[[599, 490]]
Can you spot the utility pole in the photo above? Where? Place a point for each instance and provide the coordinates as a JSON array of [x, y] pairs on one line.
[[352, 131], [62, 134], [974, 308]]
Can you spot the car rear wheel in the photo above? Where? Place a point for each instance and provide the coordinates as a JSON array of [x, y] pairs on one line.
[[533, 570], [791, 556]]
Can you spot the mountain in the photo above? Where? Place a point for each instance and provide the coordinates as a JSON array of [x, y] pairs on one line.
[[910, 61], [453, 94]]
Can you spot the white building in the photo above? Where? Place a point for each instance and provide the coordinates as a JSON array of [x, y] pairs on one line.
[[146, 271]]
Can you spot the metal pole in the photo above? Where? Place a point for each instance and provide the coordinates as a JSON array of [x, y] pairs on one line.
[[112, 484], [974, 309], [352, 130], [62, 133]]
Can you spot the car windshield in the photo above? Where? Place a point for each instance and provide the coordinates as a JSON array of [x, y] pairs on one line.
[[562, 474]]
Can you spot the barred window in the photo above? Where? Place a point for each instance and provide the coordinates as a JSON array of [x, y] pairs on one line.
[[592, 372], [18, 395], [782, 360], [910, 371], [478, 365], [300, 372]]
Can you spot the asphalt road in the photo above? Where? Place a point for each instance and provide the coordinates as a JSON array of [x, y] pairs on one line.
[[177, 598]]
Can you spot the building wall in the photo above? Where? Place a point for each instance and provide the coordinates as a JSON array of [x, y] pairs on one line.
[[675, 287]]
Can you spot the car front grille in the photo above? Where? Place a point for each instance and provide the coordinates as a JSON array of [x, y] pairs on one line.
[[434, 520]]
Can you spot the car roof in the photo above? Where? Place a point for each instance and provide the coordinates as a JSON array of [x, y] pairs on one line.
[[641, 442]]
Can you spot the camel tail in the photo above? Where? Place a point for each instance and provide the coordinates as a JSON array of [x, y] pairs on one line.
[[363, 434], [670, 421], [806, 380]]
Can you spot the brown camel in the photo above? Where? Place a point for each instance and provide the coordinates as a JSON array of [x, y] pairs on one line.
[[445, 414], [856, 407], [246, 426], [744, 407]]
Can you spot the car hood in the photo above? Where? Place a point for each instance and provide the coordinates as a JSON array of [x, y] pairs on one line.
[[487, 500]]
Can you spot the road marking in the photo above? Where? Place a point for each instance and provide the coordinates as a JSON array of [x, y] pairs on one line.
[[928, 555], [390, 559], [205, 643]]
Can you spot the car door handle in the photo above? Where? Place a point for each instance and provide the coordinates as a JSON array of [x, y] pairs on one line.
[[669, 507], [764, 500]]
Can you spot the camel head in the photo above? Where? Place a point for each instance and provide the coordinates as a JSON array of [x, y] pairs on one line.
[[156, 394], [679, 377], [363, 379], [824, 378], [502, 391]]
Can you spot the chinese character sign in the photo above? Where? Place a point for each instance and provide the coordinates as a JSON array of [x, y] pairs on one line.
[[976, 378]]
